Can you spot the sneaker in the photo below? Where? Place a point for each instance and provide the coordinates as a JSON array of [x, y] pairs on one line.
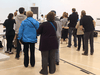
[[83, 49], [17, 58], [11, 53], [43, 72], [15, 47], [75, 46], [78, 49], [91, 53], [57, 63], [6, 51], [68, 46], [85, 54]]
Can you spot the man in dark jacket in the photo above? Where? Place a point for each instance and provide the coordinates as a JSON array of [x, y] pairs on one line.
[[73, 18], [88, 24]]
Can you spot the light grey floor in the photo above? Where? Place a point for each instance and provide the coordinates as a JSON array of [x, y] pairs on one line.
[[72, 62]]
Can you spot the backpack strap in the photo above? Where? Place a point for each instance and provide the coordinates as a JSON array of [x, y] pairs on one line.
[[53, 26]]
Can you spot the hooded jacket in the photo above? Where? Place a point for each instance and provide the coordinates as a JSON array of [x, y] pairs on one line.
[[59, 27], [19, 18], [27, 32]]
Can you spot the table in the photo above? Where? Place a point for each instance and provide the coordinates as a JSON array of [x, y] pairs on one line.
[[2, 35]]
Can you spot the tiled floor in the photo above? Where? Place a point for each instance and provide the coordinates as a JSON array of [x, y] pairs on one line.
[[72, 62]]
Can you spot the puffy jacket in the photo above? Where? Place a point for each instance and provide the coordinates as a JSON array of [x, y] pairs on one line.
[[27, 32]]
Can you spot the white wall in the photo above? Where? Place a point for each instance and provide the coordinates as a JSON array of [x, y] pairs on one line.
[[91, 6]]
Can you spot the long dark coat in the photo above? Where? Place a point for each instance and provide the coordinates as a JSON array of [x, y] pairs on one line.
[[48, 39]]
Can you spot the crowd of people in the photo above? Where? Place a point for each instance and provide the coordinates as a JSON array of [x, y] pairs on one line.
[[24, 29]]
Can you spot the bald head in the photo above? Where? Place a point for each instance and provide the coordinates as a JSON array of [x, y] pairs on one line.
[[83, 13]]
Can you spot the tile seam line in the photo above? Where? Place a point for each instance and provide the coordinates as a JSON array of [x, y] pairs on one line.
[[81, 64]]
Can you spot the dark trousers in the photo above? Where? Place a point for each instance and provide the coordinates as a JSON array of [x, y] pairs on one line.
[[79, 41], [9, 41], [70, 34], [64, 34], [26, 55], [18, 48], [88, 35], [45, 55]]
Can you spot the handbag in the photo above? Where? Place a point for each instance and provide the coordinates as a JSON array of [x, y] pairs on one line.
[[74, 32], [95, 34]]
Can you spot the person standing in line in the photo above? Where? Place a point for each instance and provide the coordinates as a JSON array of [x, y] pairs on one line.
[[61, 17], [28, 34], [42, 18], [10, 32], [73, 18], [15, 13], [64, 27], [58, 34], [19, 18], [48, 44], [15, 39], [88, 23], [80, 35]]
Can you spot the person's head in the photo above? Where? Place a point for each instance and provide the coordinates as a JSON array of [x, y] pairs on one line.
[[24, 12], [16, 11], [83, 13], [21, 10], [10, 16], [45, 16], [65, 14], [51, 16], [73, 9], [53, 12], [29, 14], [77, 13], [42, 15]]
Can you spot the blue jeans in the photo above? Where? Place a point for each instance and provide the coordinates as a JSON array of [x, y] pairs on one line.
[[57, 51], [70, 34]]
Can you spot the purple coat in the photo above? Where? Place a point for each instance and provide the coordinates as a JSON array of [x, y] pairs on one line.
[[48, 39]]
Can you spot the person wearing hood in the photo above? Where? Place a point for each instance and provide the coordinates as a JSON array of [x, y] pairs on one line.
[[19, 18], [58, 34], [28, 34]]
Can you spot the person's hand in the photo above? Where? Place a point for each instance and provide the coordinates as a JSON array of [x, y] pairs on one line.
[[66, 27], [62, 26], [15, 37], [20, 42], [81, 27]]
